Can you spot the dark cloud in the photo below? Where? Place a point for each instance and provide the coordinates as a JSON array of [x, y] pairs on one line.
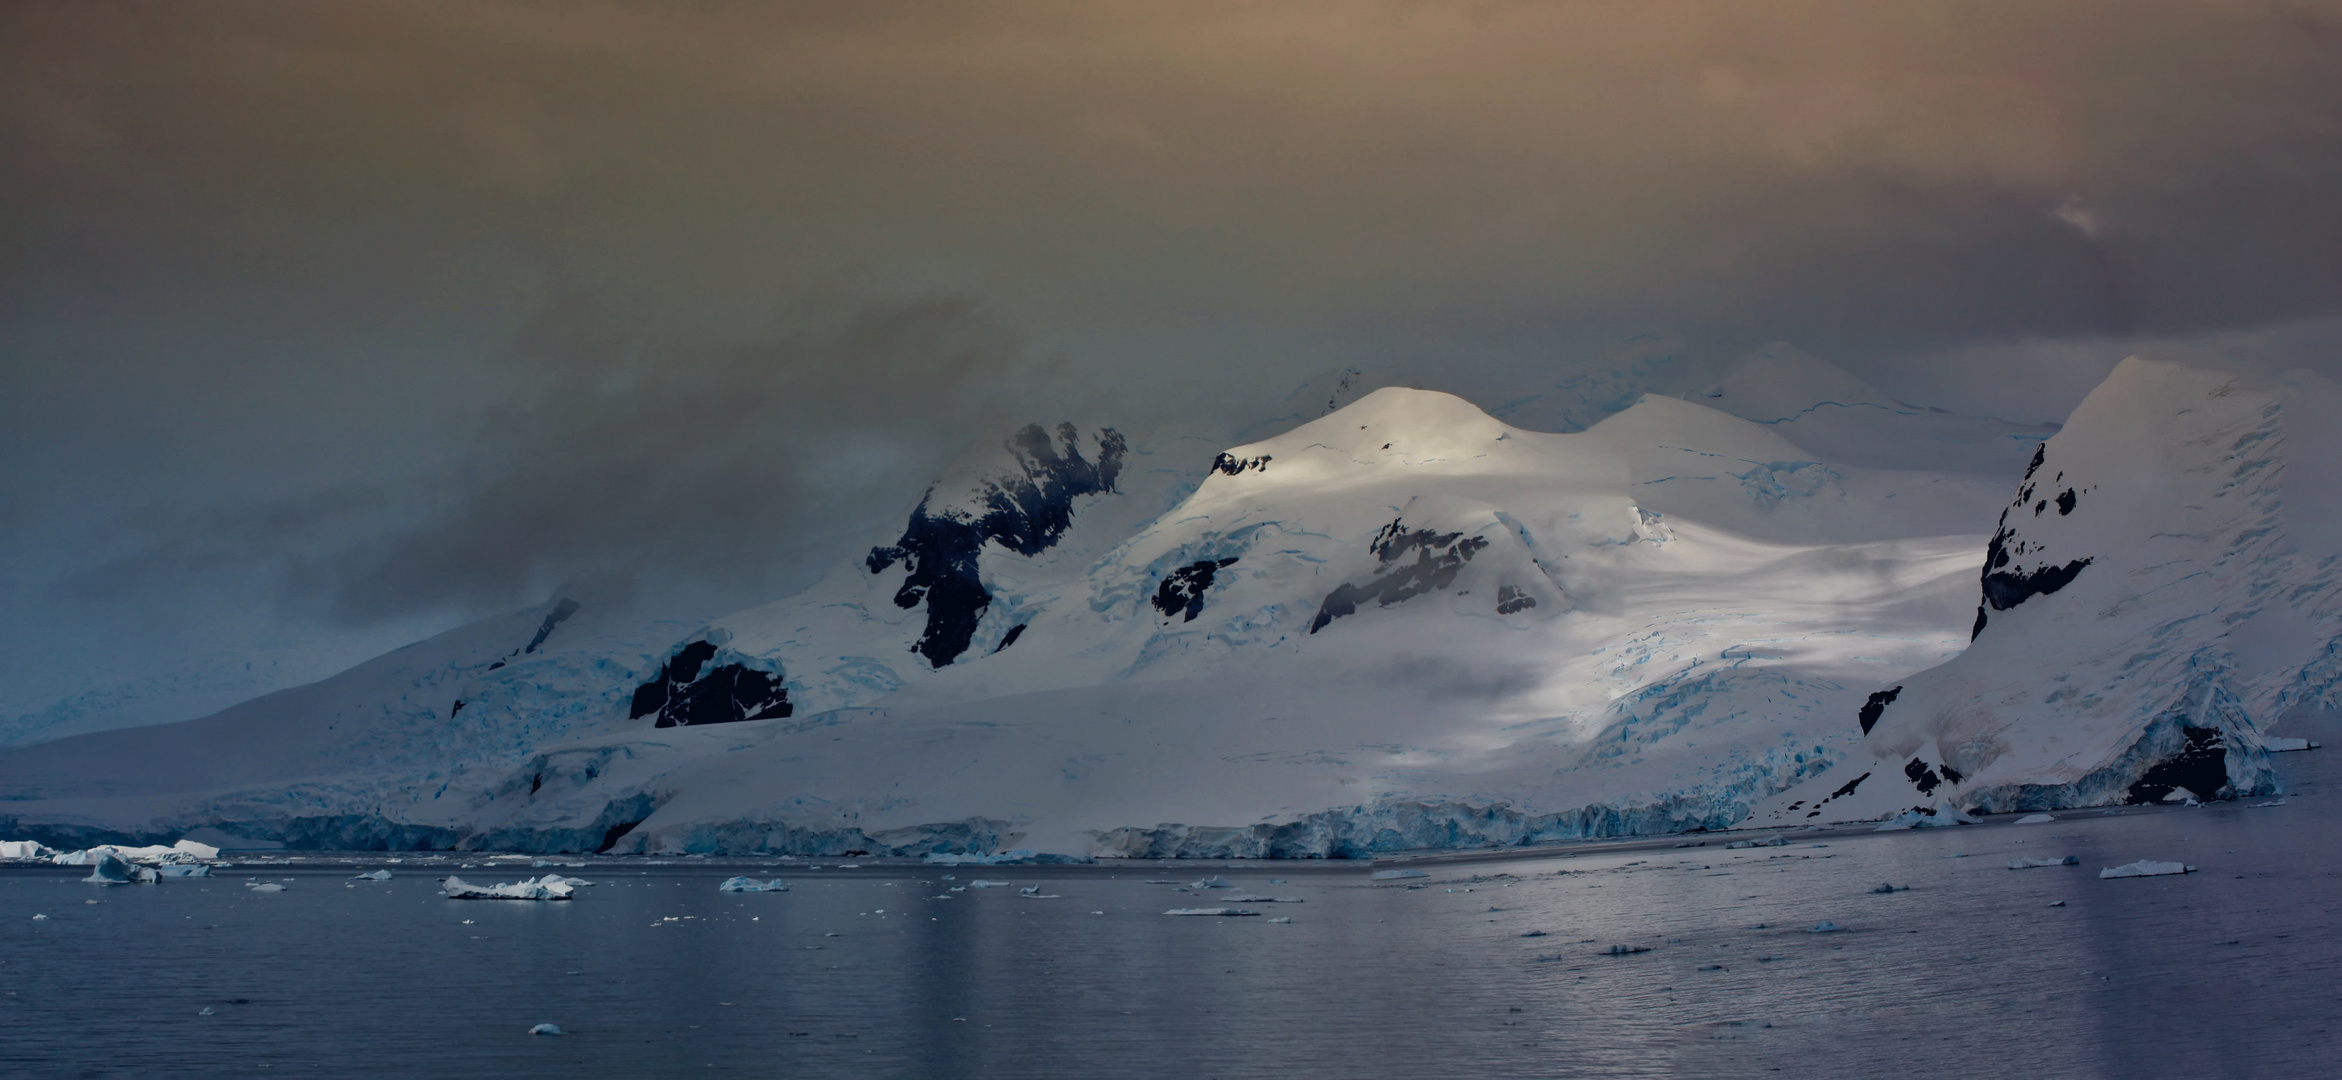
[[429, 306]]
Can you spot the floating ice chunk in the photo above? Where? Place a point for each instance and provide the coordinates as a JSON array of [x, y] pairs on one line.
[[182, 870], [529, 889], [108, 869], [270, 886], [749, 884], [2181, 795], [2028, 864], [546, 1029], [1885, 889], [1625, 950], [1394, 875], [1770, 841], [1282, 919], [1246, 898], [980, 883], [1938, 816], [25, 849], [556, 879], [2146, 868], [40, 918], [1825, 927], [2280, 744], [1213, 882], [378, 875], [206, 852], [2034, 819], [1209, 911]]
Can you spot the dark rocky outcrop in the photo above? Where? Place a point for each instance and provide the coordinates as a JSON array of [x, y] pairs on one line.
[[1438, 558], [1182, 590], [682, 694]]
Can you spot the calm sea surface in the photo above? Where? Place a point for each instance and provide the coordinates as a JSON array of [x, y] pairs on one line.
[[1493, 968]]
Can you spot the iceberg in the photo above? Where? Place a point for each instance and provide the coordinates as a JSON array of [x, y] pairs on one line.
[[980, 883], [378, 875], [109, 869], [2034, 819], [749, 884], [264, 886], [24, 849], [546, 1029], [2271, 743], [2028, 864], [1209, 911], [2146, 868], [531, 889], [182, 870]]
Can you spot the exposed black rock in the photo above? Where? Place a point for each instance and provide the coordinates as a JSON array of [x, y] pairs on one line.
[[1950, 774], [1232, 465], [459, 707], [1438, 558], [1876, 707], [1183, 589], [1921, 776], [681, 695], [1512, 599], [2201, 767], [1848, 787], [2065, 503], [610, 837], [1008, 639], [1023, 513], [563, 610]]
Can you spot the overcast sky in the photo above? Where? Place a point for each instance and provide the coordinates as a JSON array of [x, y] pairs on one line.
[[323, 327]]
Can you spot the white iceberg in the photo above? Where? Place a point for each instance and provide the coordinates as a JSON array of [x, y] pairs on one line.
[[109, 869], [749, 884], [25, 849], [378, 875], [1213, 882], [2034, 819], [531, 889], [1209, 911], [980, 883], [546, 1029], [1394, 875], [2146, 868], [2028, 864], [264, 886]]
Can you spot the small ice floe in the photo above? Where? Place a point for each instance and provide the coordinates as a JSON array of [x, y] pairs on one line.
[[1532, 933], [268, 886], [1625, 950], [2271, 802], [206, 1011], [1825, 927], [2183, 796], [980, 883], [749, 884], [40, 918], [528, 889], [378, 875], [1245, 898], [2280, 744], [1213, 882], [1282, 919], [1209, 911], [2057, 903], [1941, 815], [1033, 892], [1394, 875], [2146, 868], [1159, 881], [2034, 819], [1885, 889], [1770, 841], [546, 1029], [2028, 864]]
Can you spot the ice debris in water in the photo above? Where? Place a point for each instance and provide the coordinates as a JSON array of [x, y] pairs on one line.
[[1625, 950], [1770, 841], [270, 886], [2281, 744], [1034, 892], [2034, 819], [980, 883], [1825, 927], [378, 875], [1213, 882], [1282, 919], [546, 1029], [1394, 875], [2146, 868], [749, 884], [182, 870], [529, 889], [1209, 911], [2028, 864], [40, 918]]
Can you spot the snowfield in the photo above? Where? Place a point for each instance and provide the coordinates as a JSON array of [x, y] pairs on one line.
[[1401, 624]]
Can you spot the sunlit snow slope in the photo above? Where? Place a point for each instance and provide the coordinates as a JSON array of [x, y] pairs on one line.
[[2161, 587], [1403, 624]]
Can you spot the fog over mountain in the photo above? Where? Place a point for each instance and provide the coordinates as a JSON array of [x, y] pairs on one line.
[[327, 329]]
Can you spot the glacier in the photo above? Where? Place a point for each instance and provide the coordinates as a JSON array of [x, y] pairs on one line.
[[1404, 623]]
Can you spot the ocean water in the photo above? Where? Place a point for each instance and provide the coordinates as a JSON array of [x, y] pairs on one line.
[[1489, 967]]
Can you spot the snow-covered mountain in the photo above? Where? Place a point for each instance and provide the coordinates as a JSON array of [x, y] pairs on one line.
[[2166, 582], [1402, 624]]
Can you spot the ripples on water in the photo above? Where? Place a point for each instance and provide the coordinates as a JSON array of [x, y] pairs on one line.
[[652, 972]]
